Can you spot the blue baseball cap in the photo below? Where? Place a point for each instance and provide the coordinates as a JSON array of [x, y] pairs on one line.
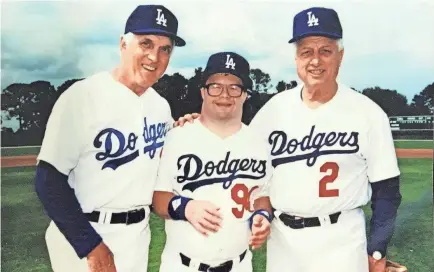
[[316, 21], [154, 19], [228, 63]]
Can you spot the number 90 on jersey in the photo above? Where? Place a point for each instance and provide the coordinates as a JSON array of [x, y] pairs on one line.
[[241, 195]]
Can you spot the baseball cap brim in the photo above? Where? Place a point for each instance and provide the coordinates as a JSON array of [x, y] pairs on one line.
[[247, 81], [316, 33], [178, 40]]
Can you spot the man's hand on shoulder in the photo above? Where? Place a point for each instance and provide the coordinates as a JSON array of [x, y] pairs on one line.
[[186, 118]]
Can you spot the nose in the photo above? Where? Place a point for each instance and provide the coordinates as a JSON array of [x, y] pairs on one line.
[[153, 55], [315, 59], [225, 92]]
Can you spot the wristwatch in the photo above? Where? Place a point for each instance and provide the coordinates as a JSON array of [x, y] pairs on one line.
[[377, 255]]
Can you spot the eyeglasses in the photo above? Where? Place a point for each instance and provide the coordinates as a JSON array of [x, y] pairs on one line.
[[216, 89]]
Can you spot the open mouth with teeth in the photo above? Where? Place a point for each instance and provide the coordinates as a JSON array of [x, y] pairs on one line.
[[223, 104], [148, 68], [317, 72]]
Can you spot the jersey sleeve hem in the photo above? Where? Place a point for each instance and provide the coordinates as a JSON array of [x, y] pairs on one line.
[[163, 189], [385, 176], [54, 163]]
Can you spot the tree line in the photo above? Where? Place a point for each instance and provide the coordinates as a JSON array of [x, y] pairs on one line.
[[31, 103]]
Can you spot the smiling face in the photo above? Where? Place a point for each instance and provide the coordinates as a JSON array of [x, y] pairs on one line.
[[318, 60], [224, 97], [144, 59]]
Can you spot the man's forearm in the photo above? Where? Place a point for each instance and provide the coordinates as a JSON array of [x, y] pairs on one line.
[[160, 203], [62, 206], [386, 199], [263, 203]]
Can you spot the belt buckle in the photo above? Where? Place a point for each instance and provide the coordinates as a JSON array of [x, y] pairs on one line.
[[217, 267], [127, 218], [133, 212], [298, 224]]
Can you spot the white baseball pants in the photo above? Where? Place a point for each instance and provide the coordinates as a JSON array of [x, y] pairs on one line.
[[129, 244], [338, 247]]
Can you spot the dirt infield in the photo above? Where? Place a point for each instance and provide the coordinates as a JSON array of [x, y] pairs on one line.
[[414, 153], [14, 161], [30, 160]]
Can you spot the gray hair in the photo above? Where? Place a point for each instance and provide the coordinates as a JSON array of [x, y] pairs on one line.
[[339, 43], [128, 37]]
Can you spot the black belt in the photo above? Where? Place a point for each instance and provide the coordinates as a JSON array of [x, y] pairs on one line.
[[296, 222], [223, 267], [130, 217]]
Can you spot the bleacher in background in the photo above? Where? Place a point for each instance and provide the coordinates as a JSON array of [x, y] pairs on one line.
[[412, 127]]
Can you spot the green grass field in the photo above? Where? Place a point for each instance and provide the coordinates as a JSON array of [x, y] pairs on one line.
[[20, 151], [23, 223], [35, 150], [414, 144]]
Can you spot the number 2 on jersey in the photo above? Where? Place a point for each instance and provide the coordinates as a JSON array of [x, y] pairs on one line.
[[243, 199], [323, 191]]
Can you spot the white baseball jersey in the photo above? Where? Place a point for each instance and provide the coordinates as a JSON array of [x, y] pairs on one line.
[[108, 140], [230, 173], [324, 157]]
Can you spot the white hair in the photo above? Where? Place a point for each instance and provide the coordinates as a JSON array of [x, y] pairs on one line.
[[339, 43], [128, 37]]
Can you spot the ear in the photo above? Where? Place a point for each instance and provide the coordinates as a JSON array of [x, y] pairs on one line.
[[202, 93], [243, 97], [122, 43], [341, 56]]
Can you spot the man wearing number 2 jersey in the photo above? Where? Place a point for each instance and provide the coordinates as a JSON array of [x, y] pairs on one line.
[[332, 151], [212, 179]]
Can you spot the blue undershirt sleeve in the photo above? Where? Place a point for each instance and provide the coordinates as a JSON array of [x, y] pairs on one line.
[[62, 206], [386, 198]]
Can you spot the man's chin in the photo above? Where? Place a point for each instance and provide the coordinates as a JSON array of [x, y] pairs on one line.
[[148, 78], [224, 115], [316, 82]]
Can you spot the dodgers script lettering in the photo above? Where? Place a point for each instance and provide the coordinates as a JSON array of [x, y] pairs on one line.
[[313, 144], [121, 149], [111, 136], [224, 171], [152, 134]]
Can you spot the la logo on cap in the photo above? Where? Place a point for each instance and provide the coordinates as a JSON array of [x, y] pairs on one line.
[[161, 20], [312, 20], [230, 62]]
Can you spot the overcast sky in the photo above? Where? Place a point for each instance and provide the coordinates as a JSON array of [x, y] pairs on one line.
[[387, 43]]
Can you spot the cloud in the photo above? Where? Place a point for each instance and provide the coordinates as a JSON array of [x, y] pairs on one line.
[[385, 42]]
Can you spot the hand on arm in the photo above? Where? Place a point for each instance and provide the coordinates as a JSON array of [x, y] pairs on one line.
[[260, 222], [203, 216]]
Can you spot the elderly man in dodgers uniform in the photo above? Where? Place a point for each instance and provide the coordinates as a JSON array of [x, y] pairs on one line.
[[332, 150], [99, 158]]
